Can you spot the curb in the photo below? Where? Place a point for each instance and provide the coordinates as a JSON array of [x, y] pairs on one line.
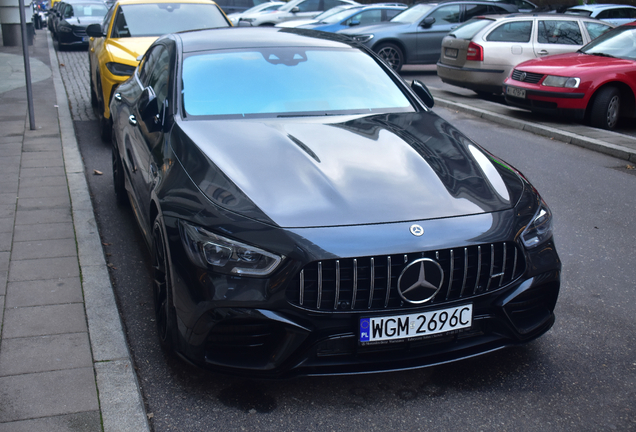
[[121, 404], [600, 146]]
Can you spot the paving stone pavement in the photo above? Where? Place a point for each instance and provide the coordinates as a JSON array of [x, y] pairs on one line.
[[75, 75]]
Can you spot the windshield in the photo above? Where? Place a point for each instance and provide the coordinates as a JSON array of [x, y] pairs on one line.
[[288, 82], [139, 20], [81, 10], [339, 16], [619, 42], [263, 7], [470, 28], [412, 14]]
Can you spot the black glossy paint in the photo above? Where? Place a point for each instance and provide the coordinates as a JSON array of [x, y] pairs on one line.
[[316, 189]]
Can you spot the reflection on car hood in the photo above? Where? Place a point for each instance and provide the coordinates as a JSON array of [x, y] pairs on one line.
[[129, 48], [84, 21], [576, 63], [310, 172]]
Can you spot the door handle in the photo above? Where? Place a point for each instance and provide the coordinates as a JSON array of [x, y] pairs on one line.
[[543, 52], [132, 120], [118, 97]]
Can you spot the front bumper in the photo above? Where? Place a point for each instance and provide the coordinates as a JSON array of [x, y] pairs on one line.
[[274, 336], [566, 104]]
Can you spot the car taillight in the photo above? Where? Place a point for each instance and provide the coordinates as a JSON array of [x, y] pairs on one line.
[[475, 52]]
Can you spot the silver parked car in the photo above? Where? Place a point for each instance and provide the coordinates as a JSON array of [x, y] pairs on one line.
[[294, 10], [480, 53], [616, 14], [415, 35]]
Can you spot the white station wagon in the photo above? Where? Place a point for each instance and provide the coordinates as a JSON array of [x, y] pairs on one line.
[[480, 53]]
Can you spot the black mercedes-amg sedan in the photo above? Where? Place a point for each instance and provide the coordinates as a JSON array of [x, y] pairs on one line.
[[307, 212]]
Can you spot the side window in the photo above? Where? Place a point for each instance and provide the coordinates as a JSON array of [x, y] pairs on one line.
[[516, 31], [332, 3], [604, 14], [473, 10], [446, 15], [107, 18], [366, 17], [309, 6], [632, 13], [596, 29], [160, 76], [390, 13], [68, 12], [496, 10], [560, 32], [120, 26]]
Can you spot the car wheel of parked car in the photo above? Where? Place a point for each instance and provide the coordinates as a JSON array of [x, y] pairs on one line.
[[165, 314], [391, 54], [118, 178], [104, 123], [606, 108]]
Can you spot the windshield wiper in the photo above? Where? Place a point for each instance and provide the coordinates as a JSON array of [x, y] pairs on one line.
[[601, 55]]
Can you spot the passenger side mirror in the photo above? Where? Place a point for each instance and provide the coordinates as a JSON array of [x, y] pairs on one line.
[[149, 110], [295, 9], [423, 93], [95, 30], [428, 22]]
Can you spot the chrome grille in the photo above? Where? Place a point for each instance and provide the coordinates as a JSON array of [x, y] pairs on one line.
[[369, 283], [529, 77]]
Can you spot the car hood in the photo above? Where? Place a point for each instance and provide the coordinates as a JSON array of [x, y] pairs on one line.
[[84, 21], [576, 63], [363, 170], [128, 49]]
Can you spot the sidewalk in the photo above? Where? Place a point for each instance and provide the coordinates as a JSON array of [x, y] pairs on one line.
[[64, 362]]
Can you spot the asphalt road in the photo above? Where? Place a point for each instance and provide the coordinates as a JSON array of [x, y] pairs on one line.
[[579, 376]]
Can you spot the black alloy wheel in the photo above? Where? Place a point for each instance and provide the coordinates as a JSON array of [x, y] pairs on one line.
[[392, 54], [165, 314], [606, 108], [119, 182]]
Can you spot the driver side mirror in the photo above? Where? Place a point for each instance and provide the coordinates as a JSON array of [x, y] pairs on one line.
[[295, 9], [95, 30], [149, 110], [354, 23], [428, 22], [423, 93]]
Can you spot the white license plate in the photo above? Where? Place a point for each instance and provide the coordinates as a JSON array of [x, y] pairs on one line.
[[451, 52], [421, 324], [516, 92]]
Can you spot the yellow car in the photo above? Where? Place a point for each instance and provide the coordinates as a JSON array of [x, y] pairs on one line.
[[127, 31]]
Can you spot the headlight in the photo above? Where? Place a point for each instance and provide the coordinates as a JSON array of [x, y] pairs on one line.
[[65, 29], [539, 229], [120, 68], [362, 38], [557, 81], [224, 255]]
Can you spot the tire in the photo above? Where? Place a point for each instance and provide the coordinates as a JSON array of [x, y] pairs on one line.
[[392, 54], [119, 182], [105, 128], [94, 102], [605, 111], [165, 315]]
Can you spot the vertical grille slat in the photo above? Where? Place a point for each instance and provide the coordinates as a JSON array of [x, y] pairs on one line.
[[362, 283]]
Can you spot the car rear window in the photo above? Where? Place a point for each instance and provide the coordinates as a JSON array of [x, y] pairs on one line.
[[515, 31], [470, 28], [288, 82], [149, 19]]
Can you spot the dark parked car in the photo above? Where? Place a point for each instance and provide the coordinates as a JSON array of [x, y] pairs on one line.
[[73, 17], [341, 227], [415, 35]]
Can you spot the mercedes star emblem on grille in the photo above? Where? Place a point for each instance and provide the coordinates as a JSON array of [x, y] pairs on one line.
[[416, 230], [420, 281]]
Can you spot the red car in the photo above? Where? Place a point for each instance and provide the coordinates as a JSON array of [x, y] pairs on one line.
[[596, 84]]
